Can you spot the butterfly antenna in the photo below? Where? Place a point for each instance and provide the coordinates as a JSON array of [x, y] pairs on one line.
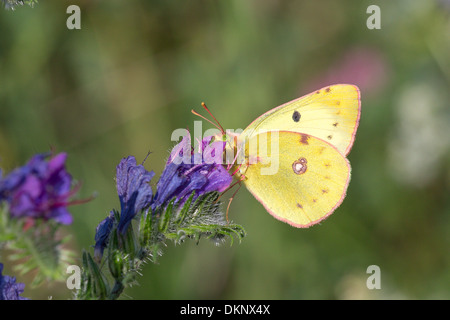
[[210, 113], [198, 114], [216, 124]]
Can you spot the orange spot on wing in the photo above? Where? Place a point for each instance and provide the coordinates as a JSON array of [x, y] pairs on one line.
[[299, 166], [304, 139]]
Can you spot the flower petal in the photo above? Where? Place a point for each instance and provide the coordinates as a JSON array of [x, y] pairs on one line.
[[134, 191], [39, 189], [61, 215], [102, 234], [9, 289], [204, 173]]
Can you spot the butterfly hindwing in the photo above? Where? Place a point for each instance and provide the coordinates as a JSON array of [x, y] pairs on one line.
[[308, 182]]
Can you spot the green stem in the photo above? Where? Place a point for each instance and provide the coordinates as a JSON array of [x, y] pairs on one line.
[[126, 253], [116, 290]]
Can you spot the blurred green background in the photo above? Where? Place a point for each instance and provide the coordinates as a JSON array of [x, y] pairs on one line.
[[132, 74]]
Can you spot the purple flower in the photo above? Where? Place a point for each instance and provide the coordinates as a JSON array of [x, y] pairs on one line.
[[134, 190], [102, 235], [187, 171], [39, 189], [9, 289], [135, 194], [201, 172]]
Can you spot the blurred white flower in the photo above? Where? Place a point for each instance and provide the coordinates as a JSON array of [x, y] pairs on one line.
[[420, 139]]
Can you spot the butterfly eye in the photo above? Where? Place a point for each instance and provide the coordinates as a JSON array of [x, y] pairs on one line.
[[296, 116]]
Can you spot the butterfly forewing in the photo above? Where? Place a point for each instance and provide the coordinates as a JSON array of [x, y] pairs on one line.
[[331, 114]]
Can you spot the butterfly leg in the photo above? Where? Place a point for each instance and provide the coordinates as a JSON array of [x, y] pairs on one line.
[[229, 187], [232, 197]]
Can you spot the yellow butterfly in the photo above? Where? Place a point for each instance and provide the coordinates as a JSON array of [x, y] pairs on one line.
[[292, 158]]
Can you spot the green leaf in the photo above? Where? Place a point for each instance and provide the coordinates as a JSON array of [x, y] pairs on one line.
[[37, 249], [183, 212], [100, 283], [166, 216], [126, 254]]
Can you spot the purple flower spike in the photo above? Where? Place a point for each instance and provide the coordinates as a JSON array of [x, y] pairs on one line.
[[202, 173], [186, 171], [9, 289], [39, 190], [134, 190], [135, 194]]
